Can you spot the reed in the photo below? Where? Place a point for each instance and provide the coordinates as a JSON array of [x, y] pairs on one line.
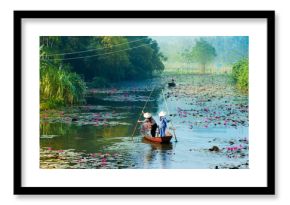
[[60, 87]]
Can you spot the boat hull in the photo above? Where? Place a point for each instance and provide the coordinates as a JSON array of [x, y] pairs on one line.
[[162, 140], [171, 84]]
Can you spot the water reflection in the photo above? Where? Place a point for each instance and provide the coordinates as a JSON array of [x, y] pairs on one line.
[[206, 112], [158, 154], [86, 138]]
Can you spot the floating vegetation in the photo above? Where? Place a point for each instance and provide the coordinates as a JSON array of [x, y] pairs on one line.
[[210, 119], [127, 97], [48, 136], [71, 159], [87, 118], [212, 104], [244, 165]]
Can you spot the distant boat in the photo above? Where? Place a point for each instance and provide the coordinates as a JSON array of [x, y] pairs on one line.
[[171, 84], [164, 140]]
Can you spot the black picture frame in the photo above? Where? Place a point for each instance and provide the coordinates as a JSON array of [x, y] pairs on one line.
[[268, 190]]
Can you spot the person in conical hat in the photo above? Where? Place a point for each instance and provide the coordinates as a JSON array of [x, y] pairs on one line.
[[147, 115], [163, 124], [149, 123]]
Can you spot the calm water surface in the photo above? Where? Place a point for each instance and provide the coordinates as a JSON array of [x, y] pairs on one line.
[[205, 110]]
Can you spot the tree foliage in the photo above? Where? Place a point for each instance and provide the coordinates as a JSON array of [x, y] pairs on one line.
[[66, 62], [240, 73], [112, 58], [229, 50], [203, 53]]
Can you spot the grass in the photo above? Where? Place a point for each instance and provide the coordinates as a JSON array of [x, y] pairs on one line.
[[60, 87]]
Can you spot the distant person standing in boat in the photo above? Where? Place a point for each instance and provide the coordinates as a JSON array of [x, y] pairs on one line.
[[172, 83], [163, 124], [149, 123]]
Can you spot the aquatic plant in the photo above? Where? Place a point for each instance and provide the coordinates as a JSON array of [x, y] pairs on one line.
[[58, 87]]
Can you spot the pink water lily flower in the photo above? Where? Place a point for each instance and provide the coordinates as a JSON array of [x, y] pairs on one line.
[[104, 160]]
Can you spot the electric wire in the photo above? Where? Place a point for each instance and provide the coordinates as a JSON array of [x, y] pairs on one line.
[[89, 50], [102, 54]]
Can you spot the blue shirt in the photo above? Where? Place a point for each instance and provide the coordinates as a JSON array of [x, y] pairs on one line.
[[163, 127]]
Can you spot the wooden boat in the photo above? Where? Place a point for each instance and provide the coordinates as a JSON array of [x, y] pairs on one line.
[[165, 139], [171, 84], [158, 146]]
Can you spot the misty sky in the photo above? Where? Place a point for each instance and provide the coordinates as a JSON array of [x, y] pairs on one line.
[[229, 49]]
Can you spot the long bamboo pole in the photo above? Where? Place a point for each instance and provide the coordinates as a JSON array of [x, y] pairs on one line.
[[169, 115], [142, 112]]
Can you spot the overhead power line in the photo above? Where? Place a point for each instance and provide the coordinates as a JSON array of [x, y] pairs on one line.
[[95, 49], [103, 54]]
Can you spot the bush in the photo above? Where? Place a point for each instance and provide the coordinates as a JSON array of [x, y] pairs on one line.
[[240, 74], [60, 87]]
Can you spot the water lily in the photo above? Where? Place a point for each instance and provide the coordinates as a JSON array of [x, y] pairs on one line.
[[104, 160]]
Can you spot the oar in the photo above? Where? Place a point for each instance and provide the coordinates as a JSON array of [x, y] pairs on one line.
[[142, 112], [169, 115]]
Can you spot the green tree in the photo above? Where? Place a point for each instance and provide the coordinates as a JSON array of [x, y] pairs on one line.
[[186, 58], [203, 53], [240, 73], [145, 57], [58, 86], [113, 65], [101, 60]]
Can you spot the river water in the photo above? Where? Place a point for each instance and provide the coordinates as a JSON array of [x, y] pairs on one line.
[[206, 111]]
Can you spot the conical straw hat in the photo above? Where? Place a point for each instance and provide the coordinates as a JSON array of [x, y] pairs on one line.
[[162, 114], [147, 115]]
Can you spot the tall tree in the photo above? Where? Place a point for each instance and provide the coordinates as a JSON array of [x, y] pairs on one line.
[[203, 53], [104, 59]]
